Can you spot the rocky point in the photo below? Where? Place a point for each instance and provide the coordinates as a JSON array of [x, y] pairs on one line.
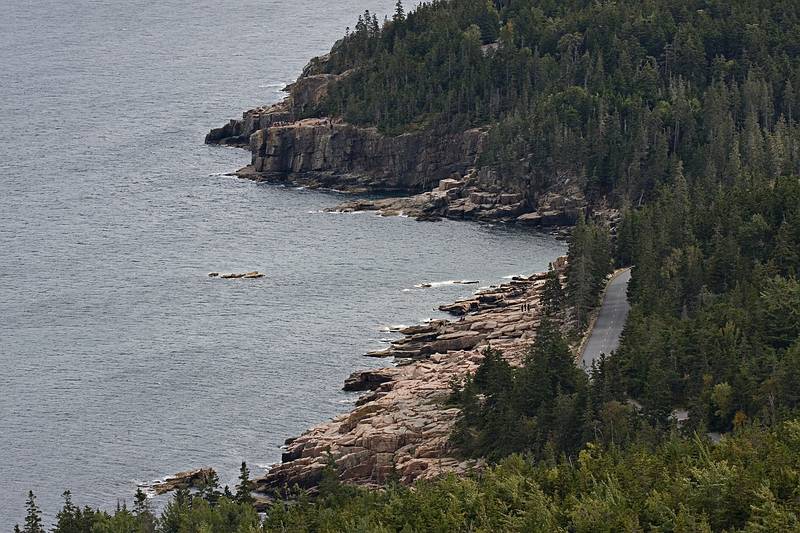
[[440, 169]]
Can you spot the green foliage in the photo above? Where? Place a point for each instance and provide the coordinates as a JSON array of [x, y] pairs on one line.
[[609, 93], [33, 518], [532, 409], [716, 306], [72, 519], [144, 515], [747, 482], [552, 293], [209, 489], [688, 115], [245, 486], [588, 263]]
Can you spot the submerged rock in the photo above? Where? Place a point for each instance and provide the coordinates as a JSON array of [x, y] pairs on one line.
[[255, 274]]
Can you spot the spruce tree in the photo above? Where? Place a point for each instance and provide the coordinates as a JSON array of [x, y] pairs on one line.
[[552, 293], [140, 503], [33, 520], [625, 242], [580, 272], [143, 513], [600, 255], [399, 12], [68, 520], [245, 486], [175, 513], [210, 488]]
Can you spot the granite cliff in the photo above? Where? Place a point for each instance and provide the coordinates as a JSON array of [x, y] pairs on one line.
[[326, 152]]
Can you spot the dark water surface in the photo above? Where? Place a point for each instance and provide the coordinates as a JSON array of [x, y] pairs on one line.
[[120, 360]]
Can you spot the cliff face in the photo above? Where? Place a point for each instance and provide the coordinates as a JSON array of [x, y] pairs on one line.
[[303, 95], [362, 156], [238, 132], [335, 154]]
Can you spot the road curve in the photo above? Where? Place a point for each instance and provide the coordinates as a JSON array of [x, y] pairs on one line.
[[606, 332]]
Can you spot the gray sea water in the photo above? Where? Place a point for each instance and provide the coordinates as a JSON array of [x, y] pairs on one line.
[[120, 360]]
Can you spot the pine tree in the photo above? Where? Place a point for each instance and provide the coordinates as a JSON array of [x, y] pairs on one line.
[[549, 368], [174, 514], [552, 293], [140, 503], [657, 397], [680, 212], [787, 107], [143, 513], [33, 520], [600, 255], [494, 373], [68, 520], [399, 12], [787, 248], [625, 242], [589, 261], [244, 487], [210, 488]]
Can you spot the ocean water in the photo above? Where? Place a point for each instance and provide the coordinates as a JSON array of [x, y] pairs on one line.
[[120, 360]]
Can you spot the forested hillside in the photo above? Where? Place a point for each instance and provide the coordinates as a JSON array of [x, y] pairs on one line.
[[716, 317], [606, 92], [685, 113]]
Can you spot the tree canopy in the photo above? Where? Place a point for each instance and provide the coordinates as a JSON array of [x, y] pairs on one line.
[[610, 93]]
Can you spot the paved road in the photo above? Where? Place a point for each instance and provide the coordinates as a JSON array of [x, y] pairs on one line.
[[604, 338]]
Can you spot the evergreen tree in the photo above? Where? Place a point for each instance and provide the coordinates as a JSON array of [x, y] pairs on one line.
[[70, 519], [626, 239], [209, 490], [173, 516], [399, 12], [245, 486], [552, 293], [588, 264], [33, 518], [143, 512], [65, 519]]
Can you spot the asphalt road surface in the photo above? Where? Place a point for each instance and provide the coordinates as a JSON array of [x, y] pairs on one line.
[[604, 338]]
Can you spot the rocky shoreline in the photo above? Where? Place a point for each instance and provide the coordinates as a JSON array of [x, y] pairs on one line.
[[438, 172], [401, 427], [463, 199]]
